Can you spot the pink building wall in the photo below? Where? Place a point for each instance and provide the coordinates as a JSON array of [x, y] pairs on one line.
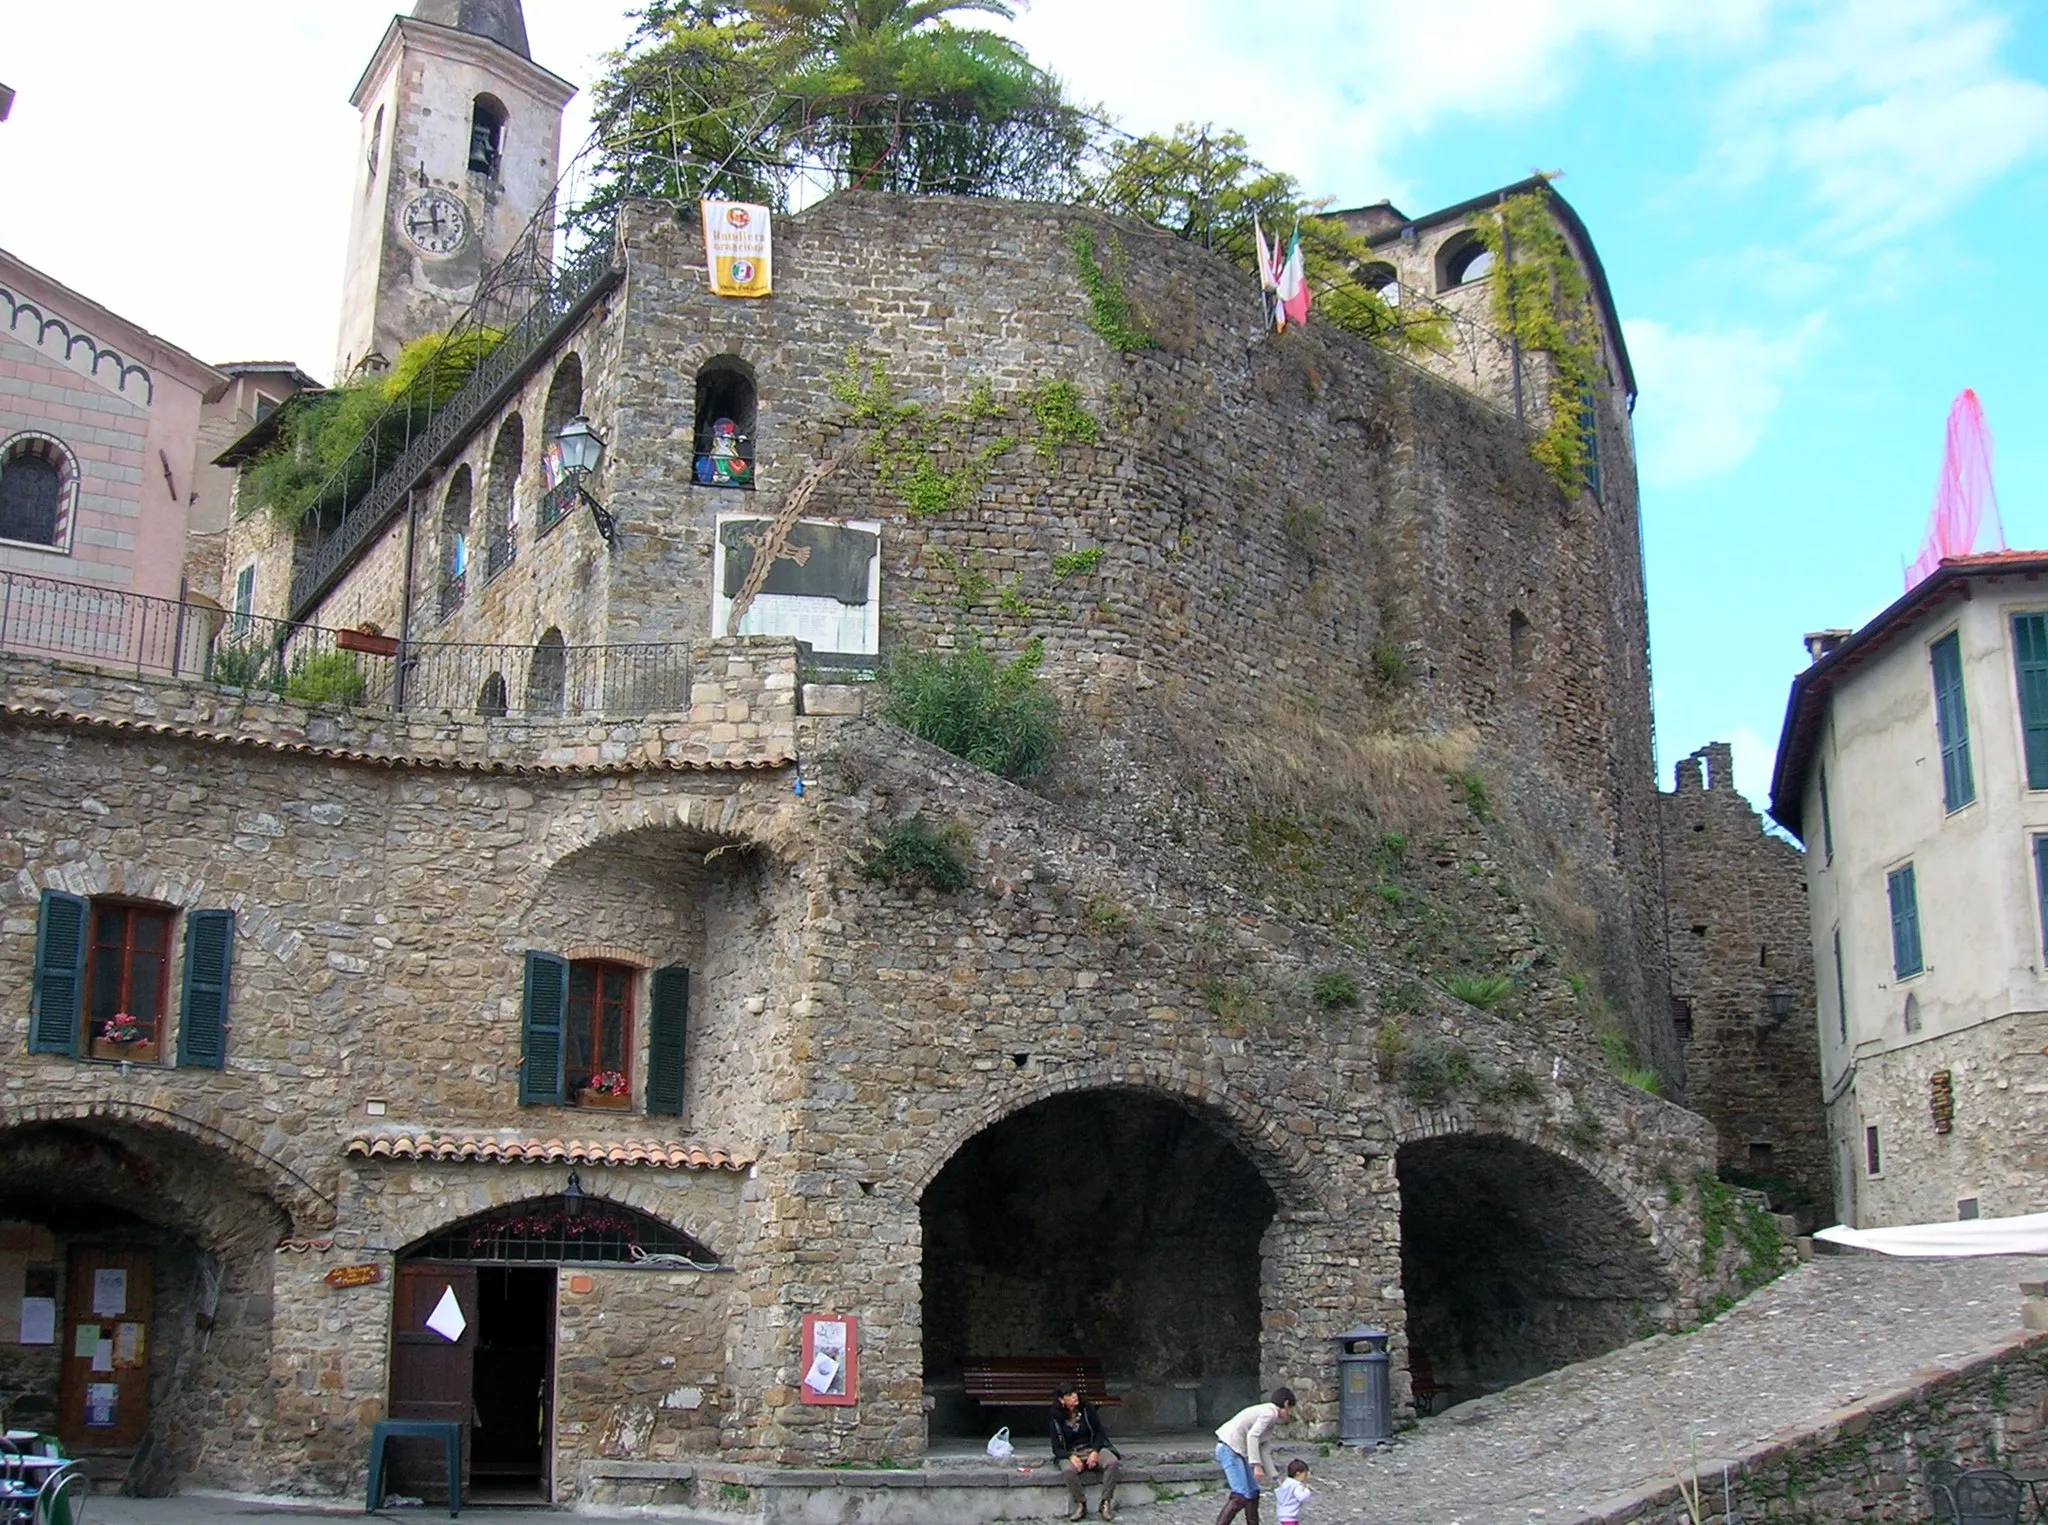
[[126, 405]]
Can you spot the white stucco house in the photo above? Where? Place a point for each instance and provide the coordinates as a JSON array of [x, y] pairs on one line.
[[1914, 767]]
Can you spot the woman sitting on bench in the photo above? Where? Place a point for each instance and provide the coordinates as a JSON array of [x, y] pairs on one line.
[[1080, 1445]]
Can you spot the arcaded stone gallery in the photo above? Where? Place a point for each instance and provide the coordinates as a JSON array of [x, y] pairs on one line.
[[520, 974]]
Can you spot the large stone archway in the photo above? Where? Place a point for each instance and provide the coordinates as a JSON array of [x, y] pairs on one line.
[[1516, 1260], [192, 1230], [1112, 1222]]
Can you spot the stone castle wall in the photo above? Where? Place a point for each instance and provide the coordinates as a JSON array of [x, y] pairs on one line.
[[1738, 932], [847, 1034]]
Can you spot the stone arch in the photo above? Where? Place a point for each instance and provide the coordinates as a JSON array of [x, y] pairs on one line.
[[1462, 259], [547, 674], [454, 544], [1520, 1255], [743, 819], [475, 1190], [501, 495], [725, 442], [306, 1208], [491, 700], [1280, 1157]]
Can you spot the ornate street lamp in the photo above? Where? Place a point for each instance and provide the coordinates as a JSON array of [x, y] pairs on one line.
[[582, 450]]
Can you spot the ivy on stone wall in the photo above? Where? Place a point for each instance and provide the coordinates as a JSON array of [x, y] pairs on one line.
[[1542, 300], [938, 460], [1109, 307]]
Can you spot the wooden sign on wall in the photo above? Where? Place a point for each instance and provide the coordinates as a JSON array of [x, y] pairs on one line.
[[354, 1276]]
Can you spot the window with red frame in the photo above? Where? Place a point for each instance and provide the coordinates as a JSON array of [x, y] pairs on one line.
[[600, 1027], [127, 974]]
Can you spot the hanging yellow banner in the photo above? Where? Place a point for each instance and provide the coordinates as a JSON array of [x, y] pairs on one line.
[[736, 248]]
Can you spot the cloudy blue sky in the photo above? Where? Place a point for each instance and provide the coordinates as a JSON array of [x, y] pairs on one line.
[[1815, 215]]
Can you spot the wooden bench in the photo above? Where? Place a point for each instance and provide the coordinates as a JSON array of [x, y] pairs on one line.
[[1422, 1383], [1018, 1381]]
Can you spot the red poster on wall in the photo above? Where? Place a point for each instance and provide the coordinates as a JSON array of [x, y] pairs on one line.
[[831, 1360]]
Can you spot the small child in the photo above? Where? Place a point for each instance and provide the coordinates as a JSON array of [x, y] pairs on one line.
[[1293, 1493]]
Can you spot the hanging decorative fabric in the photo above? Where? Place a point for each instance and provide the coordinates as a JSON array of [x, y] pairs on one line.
[[736, 249], [1964, 496]]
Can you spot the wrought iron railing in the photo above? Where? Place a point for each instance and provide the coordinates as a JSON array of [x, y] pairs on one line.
[[316, 665], [533, 301]]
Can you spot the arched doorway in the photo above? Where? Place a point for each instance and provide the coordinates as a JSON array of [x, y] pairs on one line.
[[473, 1333], [139, 1266], [1113, 1224], [1516, 1261]]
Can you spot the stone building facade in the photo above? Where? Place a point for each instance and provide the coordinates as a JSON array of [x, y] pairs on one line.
[[1742, 986], [553, 1050]]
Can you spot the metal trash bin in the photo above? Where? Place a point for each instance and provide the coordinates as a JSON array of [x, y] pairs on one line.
[[1365, 1412]]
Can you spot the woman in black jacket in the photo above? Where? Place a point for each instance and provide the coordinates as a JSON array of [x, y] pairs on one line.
[[1080, 1445]]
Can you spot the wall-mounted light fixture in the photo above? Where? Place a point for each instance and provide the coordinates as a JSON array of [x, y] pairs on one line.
[[582, 451], [572, 1196]]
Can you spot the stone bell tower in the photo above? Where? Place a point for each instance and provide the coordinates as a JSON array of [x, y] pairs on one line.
[[461, 143]]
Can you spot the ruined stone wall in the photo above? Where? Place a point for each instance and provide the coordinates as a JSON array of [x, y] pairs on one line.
[[1739, 931]]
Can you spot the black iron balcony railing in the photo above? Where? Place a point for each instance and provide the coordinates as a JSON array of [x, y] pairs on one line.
[[312, 664], [536, 301]]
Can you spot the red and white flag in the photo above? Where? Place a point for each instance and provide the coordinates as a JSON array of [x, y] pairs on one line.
[[1291, 287]]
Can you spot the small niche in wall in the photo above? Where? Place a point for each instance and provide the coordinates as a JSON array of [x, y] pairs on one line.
[[1966, 1209], [1912, 1013]]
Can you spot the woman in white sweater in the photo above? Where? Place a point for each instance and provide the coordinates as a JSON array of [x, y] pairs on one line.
[[1240, 1452]]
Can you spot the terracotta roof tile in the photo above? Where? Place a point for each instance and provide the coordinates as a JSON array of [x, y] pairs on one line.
[[498, 1149]]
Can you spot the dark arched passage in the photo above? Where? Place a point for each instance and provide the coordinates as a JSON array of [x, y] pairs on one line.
[[167, 1247], [1108, 1223], [1515, 1261]]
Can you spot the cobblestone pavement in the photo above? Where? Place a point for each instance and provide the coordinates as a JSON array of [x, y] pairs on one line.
[[1835, 1330]]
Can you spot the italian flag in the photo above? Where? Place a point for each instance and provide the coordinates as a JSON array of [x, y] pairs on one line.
[[1290, 287]]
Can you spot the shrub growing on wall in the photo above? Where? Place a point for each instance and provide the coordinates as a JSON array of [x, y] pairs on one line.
[[997, 715]]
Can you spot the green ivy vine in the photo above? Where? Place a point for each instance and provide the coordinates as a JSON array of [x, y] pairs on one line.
[[1109, 308], [937, 461], [1542, 300]]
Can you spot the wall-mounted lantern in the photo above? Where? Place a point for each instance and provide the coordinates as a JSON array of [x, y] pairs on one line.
[[582, 452]]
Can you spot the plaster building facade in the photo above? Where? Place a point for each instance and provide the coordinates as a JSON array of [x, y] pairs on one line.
[[1912, 767], [529, 988], [99, 454]]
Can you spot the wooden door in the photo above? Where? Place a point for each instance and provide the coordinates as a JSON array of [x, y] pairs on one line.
[[432, 1376], [103, 1390]]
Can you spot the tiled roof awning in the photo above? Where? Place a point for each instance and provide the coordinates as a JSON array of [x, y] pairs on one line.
[[497, 1149]]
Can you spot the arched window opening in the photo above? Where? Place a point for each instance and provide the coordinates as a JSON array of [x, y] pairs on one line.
[[38, 481], [491, 703], [455, 543], [548, 674], [376, 143], [572, 1228], [1521, 643], [486, 136], [725, 423], [1380, 278], [502, 503], [565, 401], [1465, 260]]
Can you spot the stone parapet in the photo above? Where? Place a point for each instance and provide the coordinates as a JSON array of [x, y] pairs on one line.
[[742, 714]]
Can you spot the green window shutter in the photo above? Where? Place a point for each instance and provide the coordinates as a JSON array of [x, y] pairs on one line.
[[57, 1010], [1952, 723], [2030, 668], [542, 1032], [203, 1012], [1905, 900], [668, 1021]]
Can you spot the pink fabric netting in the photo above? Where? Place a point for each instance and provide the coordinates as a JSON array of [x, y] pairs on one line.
[[1964, 495]]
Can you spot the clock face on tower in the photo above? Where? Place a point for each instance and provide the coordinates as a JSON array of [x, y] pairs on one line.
[[435, 221]]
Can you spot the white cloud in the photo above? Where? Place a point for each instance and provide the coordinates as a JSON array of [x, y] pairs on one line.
[[1330, 91], [1891, 112], [1708, 397]]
